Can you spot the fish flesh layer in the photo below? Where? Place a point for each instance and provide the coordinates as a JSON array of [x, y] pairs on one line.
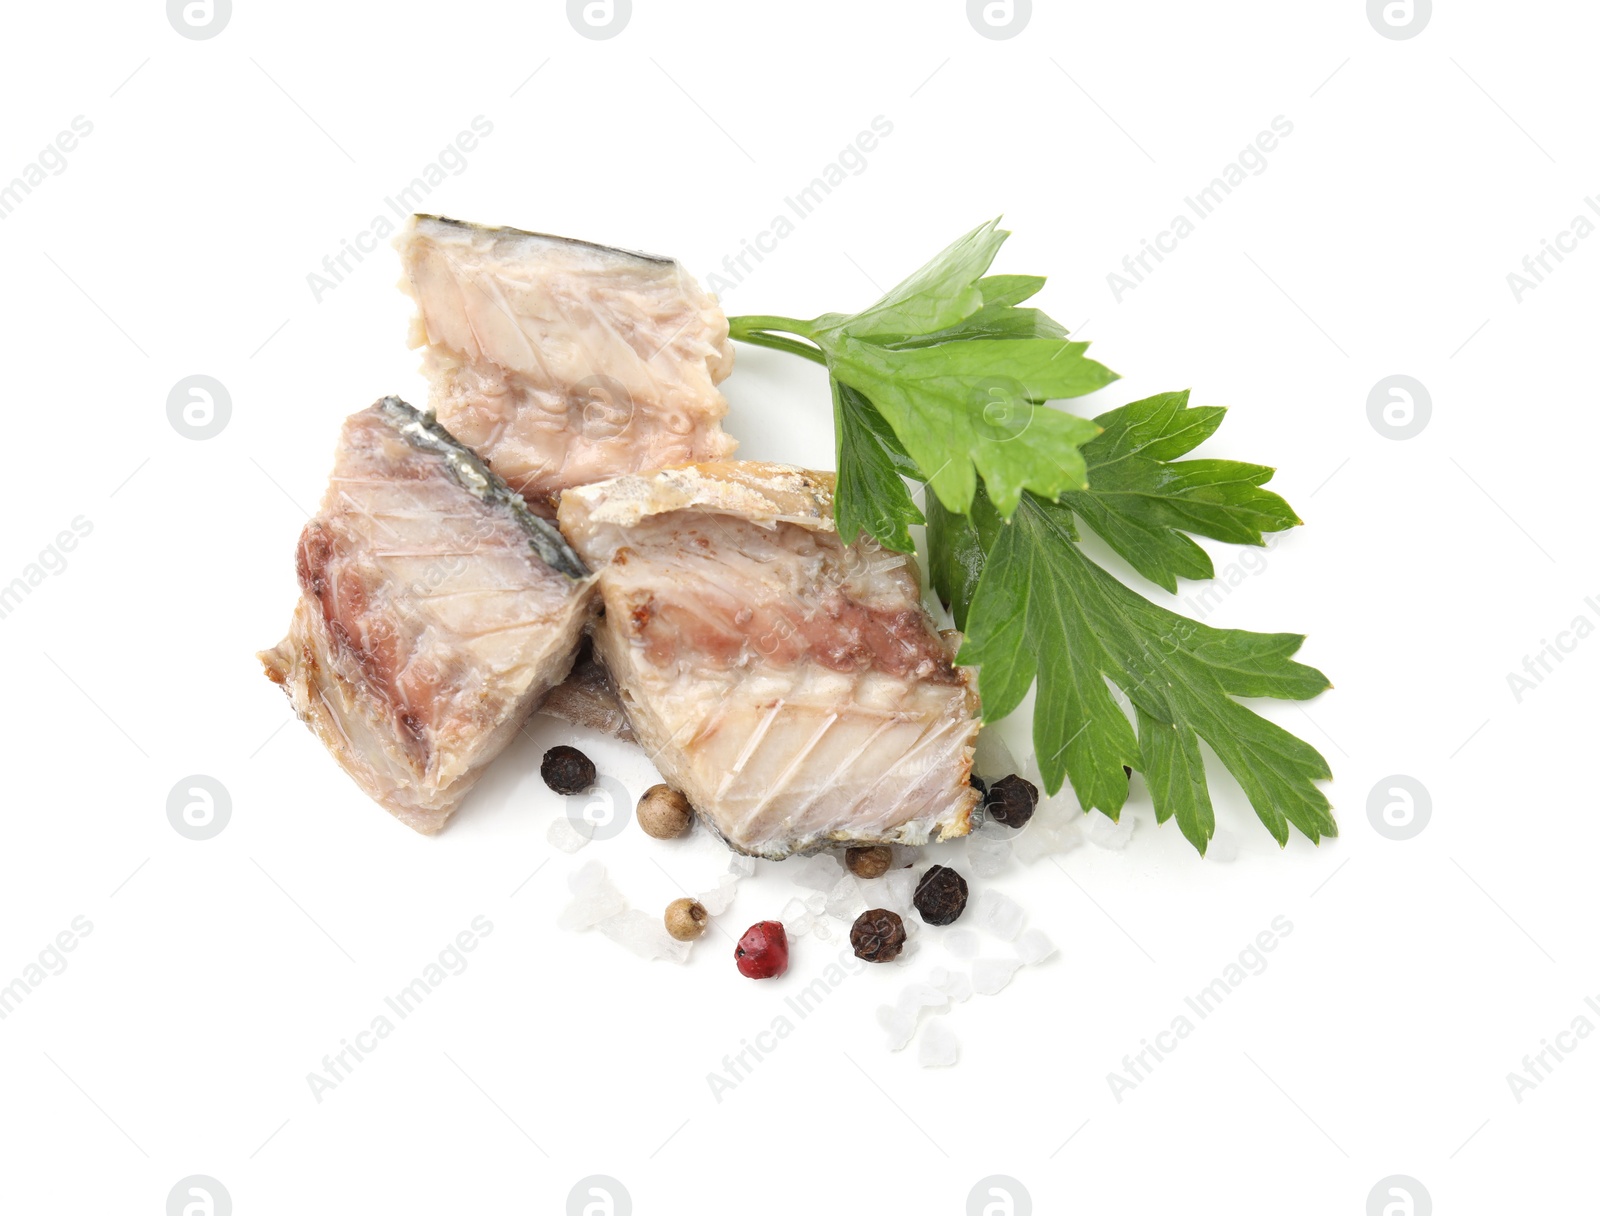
[[791, 686], [561, 362], [435, 611]]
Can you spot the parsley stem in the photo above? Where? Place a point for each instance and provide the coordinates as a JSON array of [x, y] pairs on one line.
[[755, 331]]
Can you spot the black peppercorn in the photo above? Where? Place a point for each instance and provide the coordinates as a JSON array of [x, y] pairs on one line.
[[566, 770], [941, 896], [1011, 801], [878, 935]]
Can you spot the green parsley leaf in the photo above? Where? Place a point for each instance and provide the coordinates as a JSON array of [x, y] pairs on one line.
[[869, 495], [1142, 502], [1010, 288], [960, 375], [940, 294], [1043, 610], [957, 545], [992, 321], [964, 409]]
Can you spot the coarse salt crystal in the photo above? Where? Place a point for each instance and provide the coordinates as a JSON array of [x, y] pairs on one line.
[[1048, 837], [1034, 946], [999, 914], [796, 920], [845, 900], [898, 1027], [900, 886], [990, 857], [963, 943], [594, 899], [645, 935], [939, 1047], [568, 836], [1224, 847], [819, 872], [990, 975], [915, 997], [719, 898], [959, 987], [1108, 835]]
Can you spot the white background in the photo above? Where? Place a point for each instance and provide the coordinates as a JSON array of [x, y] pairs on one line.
[[178, 241]]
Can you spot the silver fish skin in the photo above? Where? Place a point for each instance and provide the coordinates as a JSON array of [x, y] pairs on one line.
[[563, 362], [435, 612], [793, 687]]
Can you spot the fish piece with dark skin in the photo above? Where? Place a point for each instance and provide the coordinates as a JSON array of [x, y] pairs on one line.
[[435, 612]]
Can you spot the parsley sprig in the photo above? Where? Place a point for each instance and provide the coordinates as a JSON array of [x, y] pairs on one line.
[[944, 381], [957, 372]]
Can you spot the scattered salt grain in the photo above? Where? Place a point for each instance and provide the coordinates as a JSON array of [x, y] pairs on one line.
[[587, 911], [1224, 847], [594, 899], [959, 987], [956, 985], [797, 921], [720, 897], [1060, 832], [741, 866], [645, 935], [589, 876], [963, 943], [874, 892], [1109, 835], [939, 1047], [845, 900], [999, 914], [989, 857], [1034, 947], [915, 997], [897, 1027], [900, 885], [819, 872], [990, 975], [568, 836], [905, 856]]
